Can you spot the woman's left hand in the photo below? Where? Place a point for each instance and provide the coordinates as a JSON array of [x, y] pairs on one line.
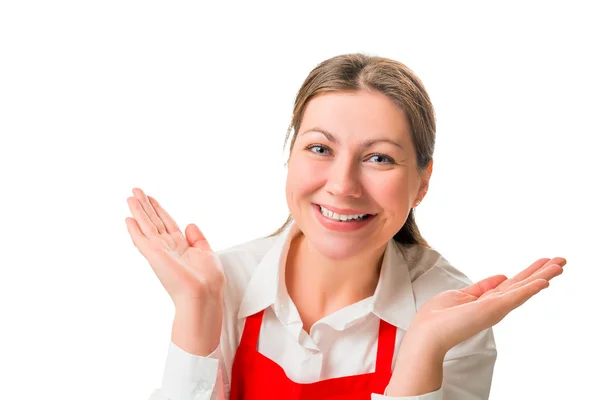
[[453, 316]]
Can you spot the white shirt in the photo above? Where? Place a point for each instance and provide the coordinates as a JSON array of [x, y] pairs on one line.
[[340, 344]]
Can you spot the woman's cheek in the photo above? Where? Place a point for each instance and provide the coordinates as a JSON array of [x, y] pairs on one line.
[[389, 190], [307, 173]]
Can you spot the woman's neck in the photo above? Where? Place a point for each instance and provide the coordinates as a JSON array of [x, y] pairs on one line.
[[319, 286]]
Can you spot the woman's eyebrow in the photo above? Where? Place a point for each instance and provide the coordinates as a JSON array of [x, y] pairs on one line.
[[365, 143]]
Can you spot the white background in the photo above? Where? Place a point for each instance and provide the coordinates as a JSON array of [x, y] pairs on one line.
[[191, 103]]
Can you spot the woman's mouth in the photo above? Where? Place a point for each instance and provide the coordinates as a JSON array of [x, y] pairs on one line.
[[342, 217], [341, 222]]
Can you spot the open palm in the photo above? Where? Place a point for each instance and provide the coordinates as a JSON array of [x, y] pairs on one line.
[[455, 315], [185, 265]]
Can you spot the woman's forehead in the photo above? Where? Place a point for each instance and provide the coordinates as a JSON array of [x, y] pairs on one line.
[[354, 115]]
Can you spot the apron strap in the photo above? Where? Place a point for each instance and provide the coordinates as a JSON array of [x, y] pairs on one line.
[[386, 344], [252, 329]]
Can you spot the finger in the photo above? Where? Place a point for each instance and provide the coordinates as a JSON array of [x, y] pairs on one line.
[[479, 288], [196, 238], [146, 226], [516, 297], [546, 273], [150, 212], [527, 272], [531, 270], [170, 224], [486, 313], [137, 236]]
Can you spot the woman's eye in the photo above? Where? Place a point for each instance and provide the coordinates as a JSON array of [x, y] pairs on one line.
[[323, 150], [320, 149], [380, 157]]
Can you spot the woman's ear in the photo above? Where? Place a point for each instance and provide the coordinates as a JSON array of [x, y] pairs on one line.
[[425, 177]]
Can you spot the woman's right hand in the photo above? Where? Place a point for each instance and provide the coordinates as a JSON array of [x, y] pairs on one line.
[[185, 265]]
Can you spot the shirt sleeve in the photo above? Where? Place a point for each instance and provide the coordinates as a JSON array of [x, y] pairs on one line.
[[468, 369], [190, 377]]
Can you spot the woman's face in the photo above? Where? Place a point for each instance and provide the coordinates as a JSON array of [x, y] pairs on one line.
[[353, 155]]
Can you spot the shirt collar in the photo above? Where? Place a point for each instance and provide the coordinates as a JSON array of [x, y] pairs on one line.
[[261, 291], [393, 300]]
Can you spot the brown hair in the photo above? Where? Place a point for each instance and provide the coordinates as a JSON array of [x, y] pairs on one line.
[[353, 72]]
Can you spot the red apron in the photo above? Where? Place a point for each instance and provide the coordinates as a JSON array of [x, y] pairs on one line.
[[254, 376]]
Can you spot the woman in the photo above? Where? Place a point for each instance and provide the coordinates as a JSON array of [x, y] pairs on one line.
[[346, 300]]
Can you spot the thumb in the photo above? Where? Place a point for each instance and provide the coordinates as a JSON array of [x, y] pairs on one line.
[[195, 238]]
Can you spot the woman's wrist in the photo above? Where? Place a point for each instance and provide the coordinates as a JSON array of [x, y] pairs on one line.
[[418, 369], [197, 329]]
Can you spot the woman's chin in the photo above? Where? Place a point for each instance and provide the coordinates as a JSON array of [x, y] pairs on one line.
[[337, 248]]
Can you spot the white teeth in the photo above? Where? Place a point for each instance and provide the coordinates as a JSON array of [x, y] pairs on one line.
[[341, 217]]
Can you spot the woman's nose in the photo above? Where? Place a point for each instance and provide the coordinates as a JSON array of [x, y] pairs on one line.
[[343, 179]]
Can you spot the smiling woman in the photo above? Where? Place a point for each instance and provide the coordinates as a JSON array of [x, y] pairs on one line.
[[346, 299], [366, 164]]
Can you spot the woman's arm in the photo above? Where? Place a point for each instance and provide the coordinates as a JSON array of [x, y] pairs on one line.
[[188, 373], [453, 317], [418, 369], [465, 373]]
